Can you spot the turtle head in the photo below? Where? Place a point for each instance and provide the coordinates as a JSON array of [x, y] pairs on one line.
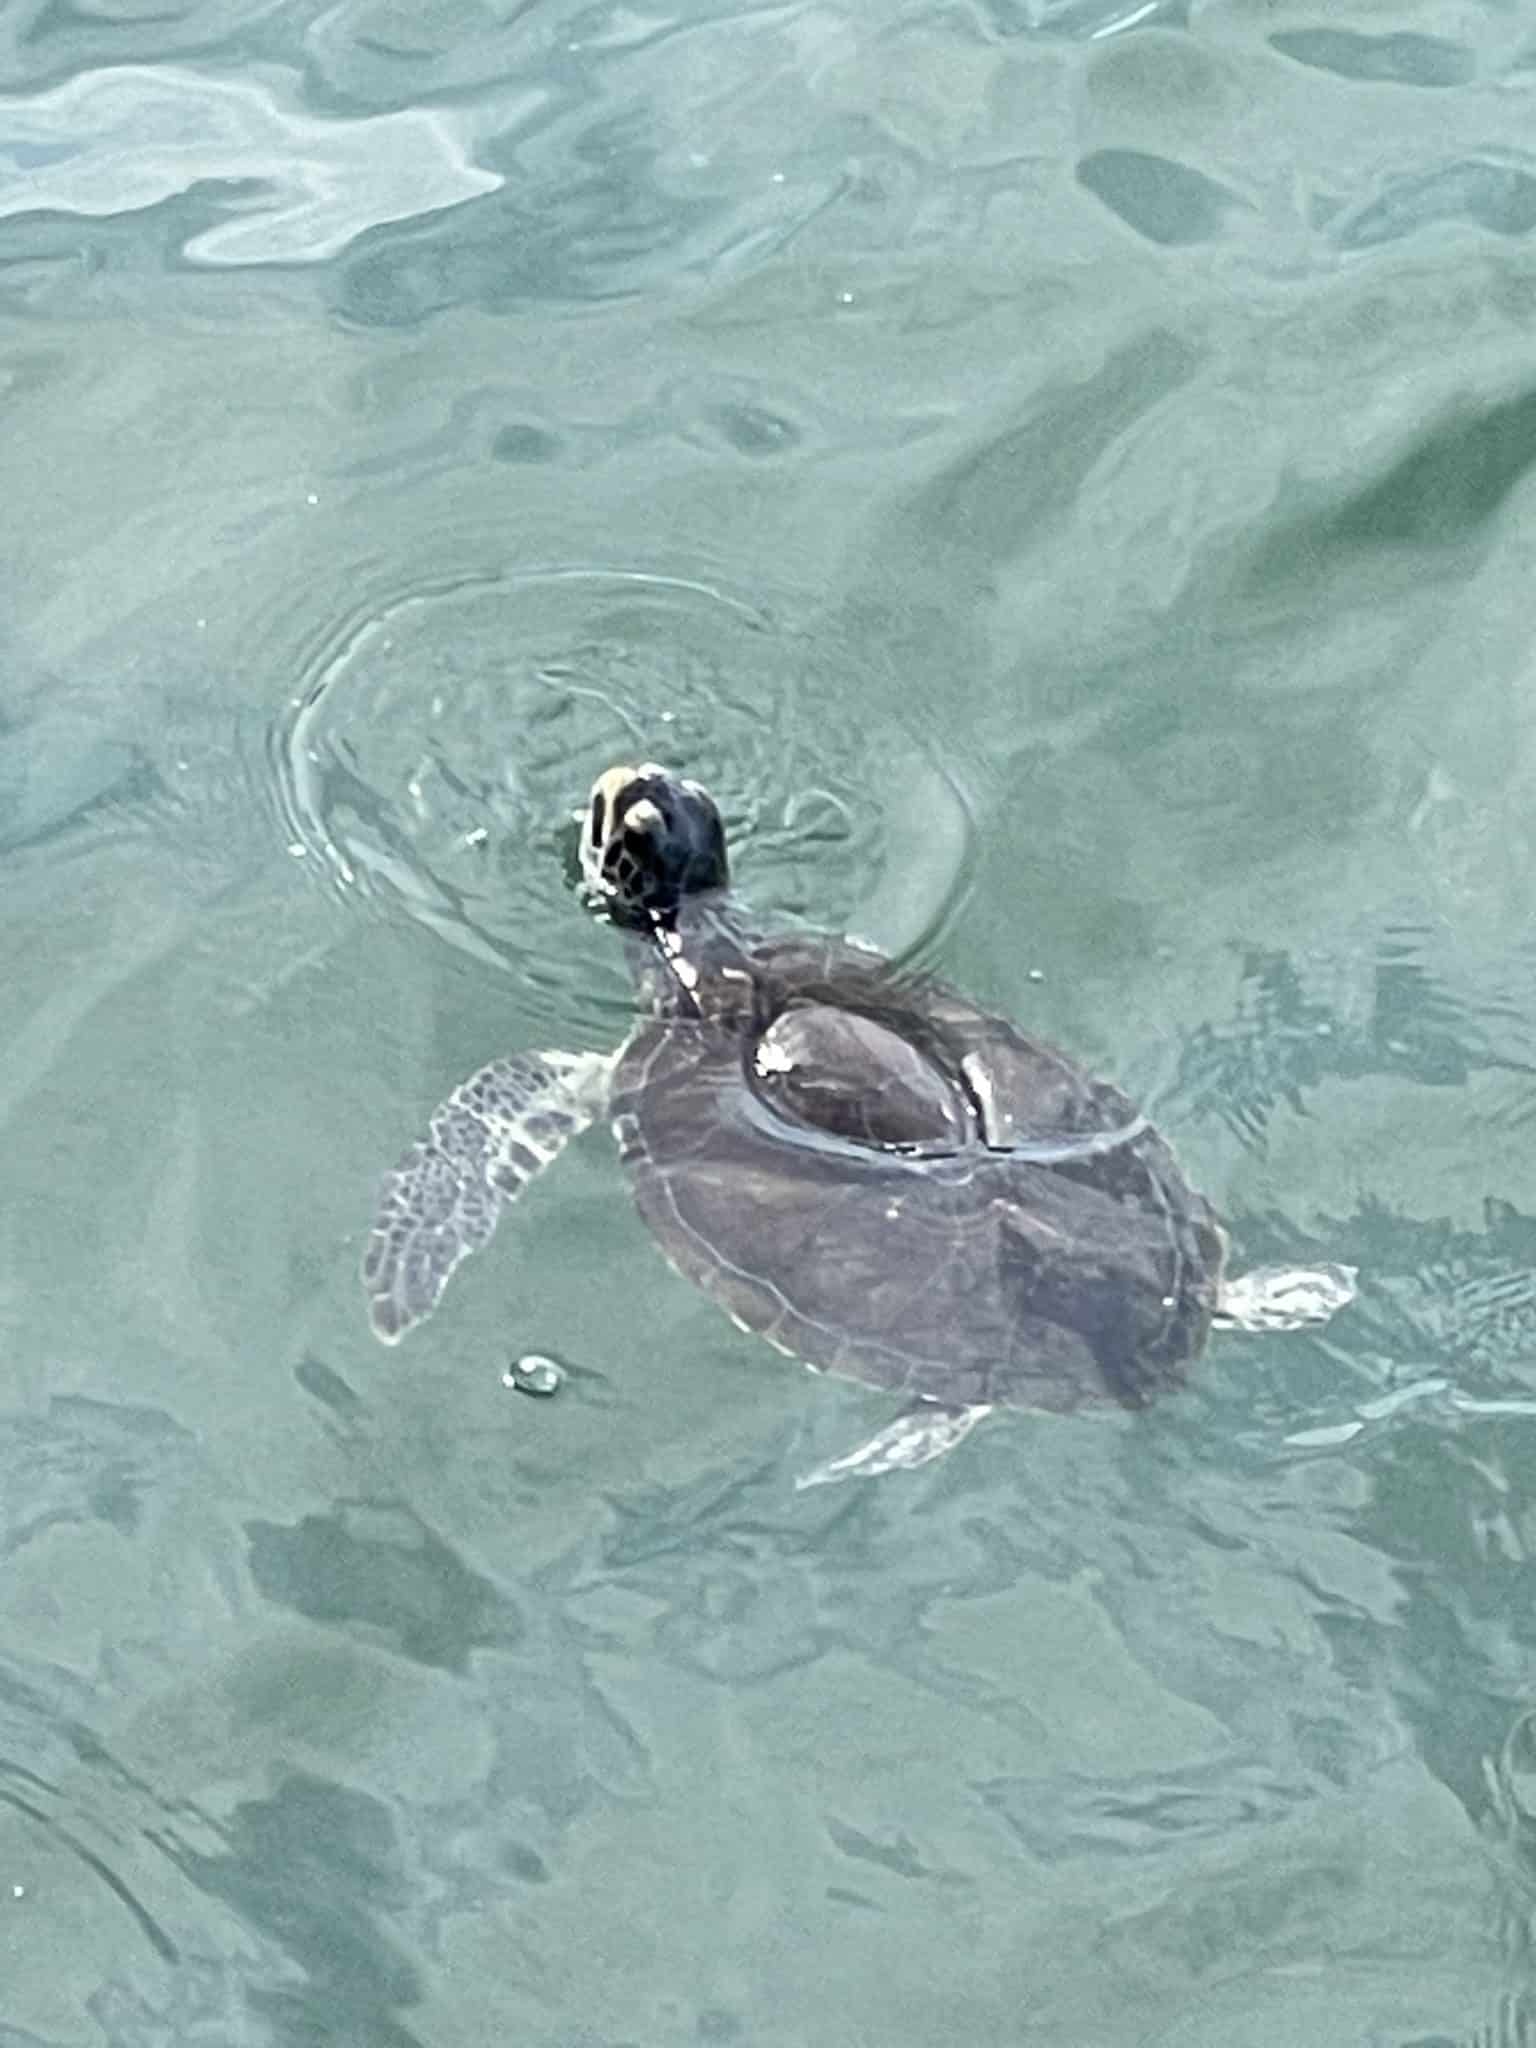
[[649, 840]]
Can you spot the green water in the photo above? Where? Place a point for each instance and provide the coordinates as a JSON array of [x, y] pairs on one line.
[[1060, 468]]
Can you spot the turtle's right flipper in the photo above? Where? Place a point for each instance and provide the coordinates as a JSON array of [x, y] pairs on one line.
[[496, 1132]]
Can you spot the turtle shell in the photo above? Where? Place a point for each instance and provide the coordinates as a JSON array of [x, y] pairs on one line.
[[889, 1184]]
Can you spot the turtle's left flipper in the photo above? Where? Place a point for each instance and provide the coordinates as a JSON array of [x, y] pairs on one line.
[[919, 1434], [496, 1132]]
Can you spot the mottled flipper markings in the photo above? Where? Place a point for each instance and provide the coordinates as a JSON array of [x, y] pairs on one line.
[[495, 1133]]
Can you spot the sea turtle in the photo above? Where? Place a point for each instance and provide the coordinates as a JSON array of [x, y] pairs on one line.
[[857, 1163]]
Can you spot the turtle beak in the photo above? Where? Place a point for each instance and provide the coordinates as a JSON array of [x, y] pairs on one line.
[[613, 809], [648, 840]]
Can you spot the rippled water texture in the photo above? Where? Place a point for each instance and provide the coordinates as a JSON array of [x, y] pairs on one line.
[[1061, 469]]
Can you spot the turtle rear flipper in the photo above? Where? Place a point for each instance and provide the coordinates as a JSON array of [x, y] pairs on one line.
[[495, 1133], [1284, 1297], [921, 1433]]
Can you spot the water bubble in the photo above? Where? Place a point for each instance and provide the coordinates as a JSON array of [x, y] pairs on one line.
[[534, 1373]]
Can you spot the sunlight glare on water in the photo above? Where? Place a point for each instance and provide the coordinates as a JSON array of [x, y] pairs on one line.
[[1058, 470]]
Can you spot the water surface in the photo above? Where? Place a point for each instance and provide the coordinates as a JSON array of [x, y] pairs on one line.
[[1060, 469]]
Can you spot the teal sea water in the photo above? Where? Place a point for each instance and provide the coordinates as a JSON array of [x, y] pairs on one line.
[[1061, 469]]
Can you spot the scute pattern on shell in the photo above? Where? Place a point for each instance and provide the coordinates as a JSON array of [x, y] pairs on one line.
[[978, 1276]]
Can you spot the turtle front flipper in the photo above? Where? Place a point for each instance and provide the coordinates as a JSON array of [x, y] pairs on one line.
[[495, 1133]]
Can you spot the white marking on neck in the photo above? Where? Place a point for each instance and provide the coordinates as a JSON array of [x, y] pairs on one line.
[[975, 1072], [671, 947]]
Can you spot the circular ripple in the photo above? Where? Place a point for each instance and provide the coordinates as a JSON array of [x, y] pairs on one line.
[[445, 749]]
